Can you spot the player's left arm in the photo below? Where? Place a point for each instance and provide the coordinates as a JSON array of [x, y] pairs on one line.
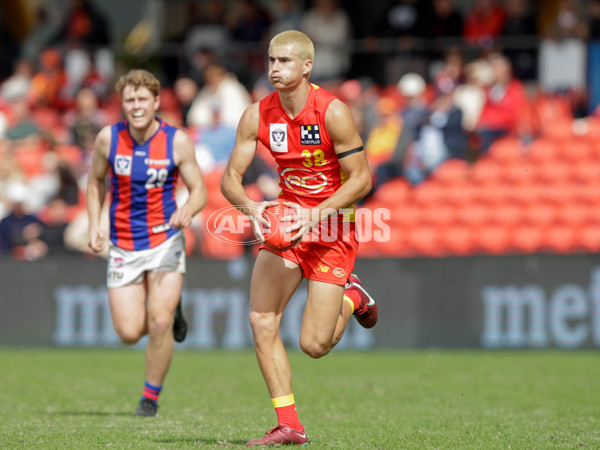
[[185, 159]]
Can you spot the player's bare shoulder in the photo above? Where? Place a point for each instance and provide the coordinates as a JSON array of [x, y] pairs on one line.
[[183, 146], [340, 125], [102, 143], [248, 125]]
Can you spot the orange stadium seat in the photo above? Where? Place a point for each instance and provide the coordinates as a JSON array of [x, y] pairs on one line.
[[405, 214], [486, 171], [574, 150], [393, 191], [540, 214], [574, 214], [560, 239], [473, 214], [429, 192], [588, 239], [507, 214], [587, 171], [506, 150], [520, 172], [526, 239], [439, 213], [425, 240], [493, 239], [453, 171], [555, 171], [458, 240], [541, 150]]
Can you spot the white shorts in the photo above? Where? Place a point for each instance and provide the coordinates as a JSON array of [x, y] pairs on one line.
[[129, 266]]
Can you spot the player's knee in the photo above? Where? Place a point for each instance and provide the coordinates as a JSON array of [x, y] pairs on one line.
[[315, 349], [129, 336], [262, 323], [160, 324]]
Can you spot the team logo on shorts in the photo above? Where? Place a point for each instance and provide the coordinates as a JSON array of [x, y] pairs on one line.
[[309, 135], [123, 165], [278, 135], [117, 262], [339, 272]]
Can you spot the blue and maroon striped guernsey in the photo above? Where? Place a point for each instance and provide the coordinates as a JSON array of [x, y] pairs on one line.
[[143, 181]]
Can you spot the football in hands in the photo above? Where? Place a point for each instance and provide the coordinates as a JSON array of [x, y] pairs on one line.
[[276, 237]]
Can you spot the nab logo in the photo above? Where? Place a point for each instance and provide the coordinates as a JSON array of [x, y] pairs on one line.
[[123, 165], [278, 137], [323, 269], [309, 135]]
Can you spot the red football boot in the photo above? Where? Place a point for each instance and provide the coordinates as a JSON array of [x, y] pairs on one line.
[[366, 314], [281, 435]]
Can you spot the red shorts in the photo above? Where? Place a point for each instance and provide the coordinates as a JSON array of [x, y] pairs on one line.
[[326, 254]]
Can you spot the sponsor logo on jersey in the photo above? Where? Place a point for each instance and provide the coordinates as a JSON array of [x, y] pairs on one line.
[[114, 275], [339, 272], [309, 135], [157, 162], [303, 181], [278, 137], [323, 268], [123, 165], [140, 153]]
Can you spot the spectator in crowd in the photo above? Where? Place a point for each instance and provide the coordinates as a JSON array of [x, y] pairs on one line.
[[594, 19], [471, 96], [287, 16], [20, 231], [85, 121], [440, 22], [440, 137], [563, 56], [330, 29], [520, 24], [505, 102], [221, 89], [43, 32], [21, 128], [249, 24], [186, 90], [207, 38], [214, 143], [56, 220], [46, 88], [484, 23], [9, 50], [401, 131], [83, 27]]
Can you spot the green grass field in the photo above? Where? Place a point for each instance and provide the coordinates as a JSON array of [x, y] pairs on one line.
[[381, 400]]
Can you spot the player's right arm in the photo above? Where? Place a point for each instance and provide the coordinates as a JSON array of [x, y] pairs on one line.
[[243, 153], [96, 188]]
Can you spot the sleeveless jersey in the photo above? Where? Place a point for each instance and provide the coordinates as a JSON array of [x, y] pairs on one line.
[[143, 180], [309, 171]]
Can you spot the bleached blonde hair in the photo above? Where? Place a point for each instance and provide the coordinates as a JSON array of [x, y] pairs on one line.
[[303, 47]]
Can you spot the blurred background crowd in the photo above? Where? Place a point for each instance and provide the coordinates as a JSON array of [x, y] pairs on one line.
[[478, 116]]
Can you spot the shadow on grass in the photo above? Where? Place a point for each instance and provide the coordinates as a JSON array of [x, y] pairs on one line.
[[92, 413], [199, 440]]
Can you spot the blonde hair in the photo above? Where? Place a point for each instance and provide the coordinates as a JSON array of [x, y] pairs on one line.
[[302, 45], [139, 78]]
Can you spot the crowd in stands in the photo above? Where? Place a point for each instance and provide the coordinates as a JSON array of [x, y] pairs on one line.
[[430, 85]]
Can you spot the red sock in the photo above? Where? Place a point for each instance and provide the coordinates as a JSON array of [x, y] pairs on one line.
[[285, 407], [354, 297]]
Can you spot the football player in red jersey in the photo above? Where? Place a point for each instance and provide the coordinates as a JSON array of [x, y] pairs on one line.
[[144, 157], [323, 171]]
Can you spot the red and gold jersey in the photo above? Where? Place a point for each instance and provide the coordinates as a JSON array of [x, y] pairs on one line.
[[309, 171]]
